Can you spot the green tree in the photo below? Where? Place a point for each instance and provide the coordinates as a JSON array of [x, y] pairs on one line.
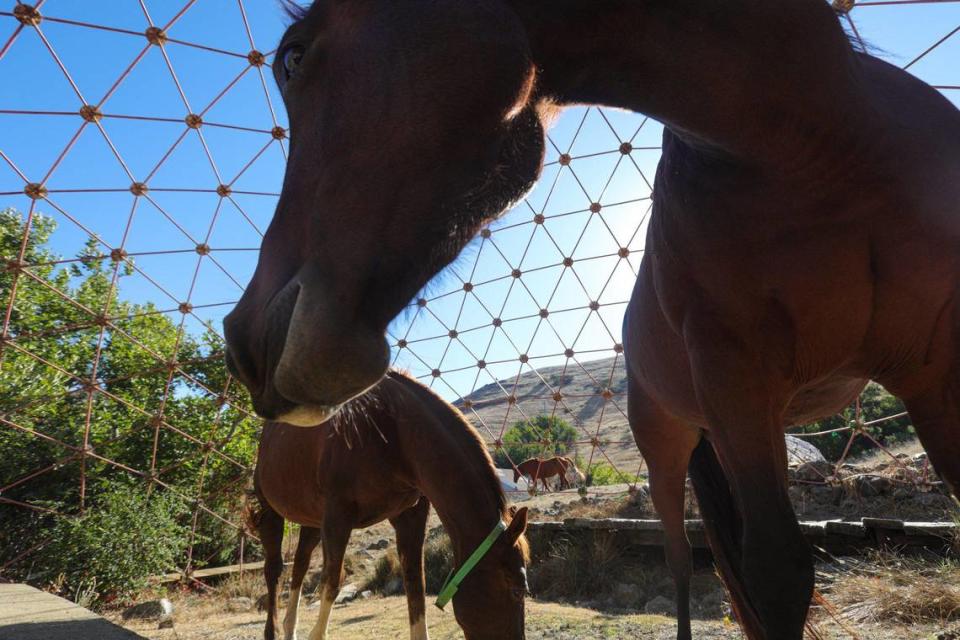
[[70, 328], [544, 436]]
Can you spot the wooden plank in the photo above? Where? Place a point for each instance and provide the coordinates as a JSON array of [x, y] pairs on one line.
[[30, 614], [213, 572]]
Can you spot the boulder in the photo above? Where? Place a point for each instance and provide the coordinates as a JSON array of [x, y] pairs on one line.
[[393, 587], [661, 606], [627, 596], [711, 604], [149, 610], [380, 544], [347, 593], [366, 595], [800, 451], [817, 471]]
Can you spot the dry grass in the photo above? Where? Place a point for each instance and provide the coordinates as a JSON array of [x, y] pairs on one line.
[[437, 561], [895, 588]]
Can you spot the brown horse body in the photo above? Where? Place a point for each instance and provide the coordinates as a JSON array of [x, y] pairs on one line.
[[805, 234], [396, 448], [539, 469]]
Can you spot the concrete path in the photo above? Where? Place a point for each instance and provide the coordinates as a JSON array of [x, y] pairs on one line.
[[30, 614]]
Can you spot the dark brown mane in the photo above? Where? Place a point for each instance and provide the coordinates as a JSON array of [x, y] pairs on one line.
[[468, 439]]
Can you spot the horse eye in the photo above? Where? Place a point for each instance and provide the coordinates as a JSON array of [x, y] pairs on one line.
[[291, 59]]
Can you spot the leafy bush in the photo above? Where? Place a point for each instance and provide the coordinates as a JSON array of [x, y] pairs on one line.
[[526, 438], [602, 473], [875, 403], [41, 399], [110, 551]]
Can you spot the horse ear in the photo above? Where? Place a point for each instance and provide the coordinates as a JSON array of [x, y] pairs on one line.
[[517, 526]]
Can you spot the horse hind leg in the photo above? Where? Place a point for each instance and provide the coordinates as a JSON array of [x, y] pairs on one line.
[[309, 538], [666, 445], [411, 527]]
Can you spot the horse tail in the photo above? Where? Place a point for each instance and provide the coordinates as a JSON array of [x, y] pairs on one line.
[[252, 512], [724, 529]]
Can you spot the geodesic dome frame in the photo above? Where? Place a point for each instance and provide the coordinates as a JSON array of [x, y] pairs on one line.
[[169, 186]]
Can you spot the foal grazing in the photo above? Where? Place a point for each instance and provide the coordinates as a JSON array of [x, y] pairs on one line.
[[805, 233], [385, 457]]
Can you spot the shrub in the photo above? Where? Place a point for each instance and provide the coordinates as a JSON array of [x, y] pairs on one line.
[[110, 551], [437, 562], [525, 440], [603, 473], [875, 403]]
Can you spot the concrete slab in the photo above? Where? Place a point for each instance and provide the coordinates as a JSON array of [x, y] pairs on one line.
[[30, 614]]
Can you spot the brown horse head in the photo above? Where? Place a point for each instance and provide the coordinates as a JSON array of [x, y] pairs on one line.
[[490, 601], [412, 125]]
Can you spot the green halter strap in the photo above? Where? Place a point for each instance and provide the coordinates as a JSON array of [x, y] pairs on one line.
[[452, 583]]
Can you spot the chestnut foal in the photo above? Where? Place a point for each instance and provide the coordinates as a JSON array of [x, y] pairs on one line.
[[388, 456]]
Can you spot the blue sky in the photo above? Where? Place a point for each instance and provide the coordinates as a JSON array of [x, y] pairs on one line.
[[165, 230]]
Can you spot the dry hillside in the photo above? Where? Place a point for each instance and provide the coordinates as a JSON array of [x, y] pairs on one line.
[[592, 397]]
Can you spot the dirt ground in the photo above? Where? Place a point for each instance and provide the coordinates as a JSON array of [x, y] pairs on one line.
[[204, 618], [198, 616]]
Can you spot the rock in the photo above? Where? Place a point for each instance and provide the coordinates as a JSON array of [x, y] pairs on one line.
[[871, 486], [627, 596], [165, 623], [363, 553], [149, 610], [347, 594], [814, 471], [880, 484], [240, 604], [366, 595], [393, 587], [800, 451], [661, 606], [380, 544], [711, 604]]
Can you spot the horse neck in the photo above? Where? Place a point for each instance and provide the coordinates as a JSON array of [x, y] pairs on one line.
[[452, 471], [739, 75], [465, 500]]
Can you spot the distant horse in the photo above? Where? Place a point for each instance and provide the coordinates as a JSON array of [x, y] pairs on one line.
[[538, 469], [804, 237], [573, 475], [383, 458]]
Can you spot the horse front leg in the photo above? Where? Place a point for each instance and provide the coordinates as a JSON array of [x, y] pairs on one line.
[[335, 537], [666, 445], [411, 528], [309, 538], [762, 554], [270, 529]]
